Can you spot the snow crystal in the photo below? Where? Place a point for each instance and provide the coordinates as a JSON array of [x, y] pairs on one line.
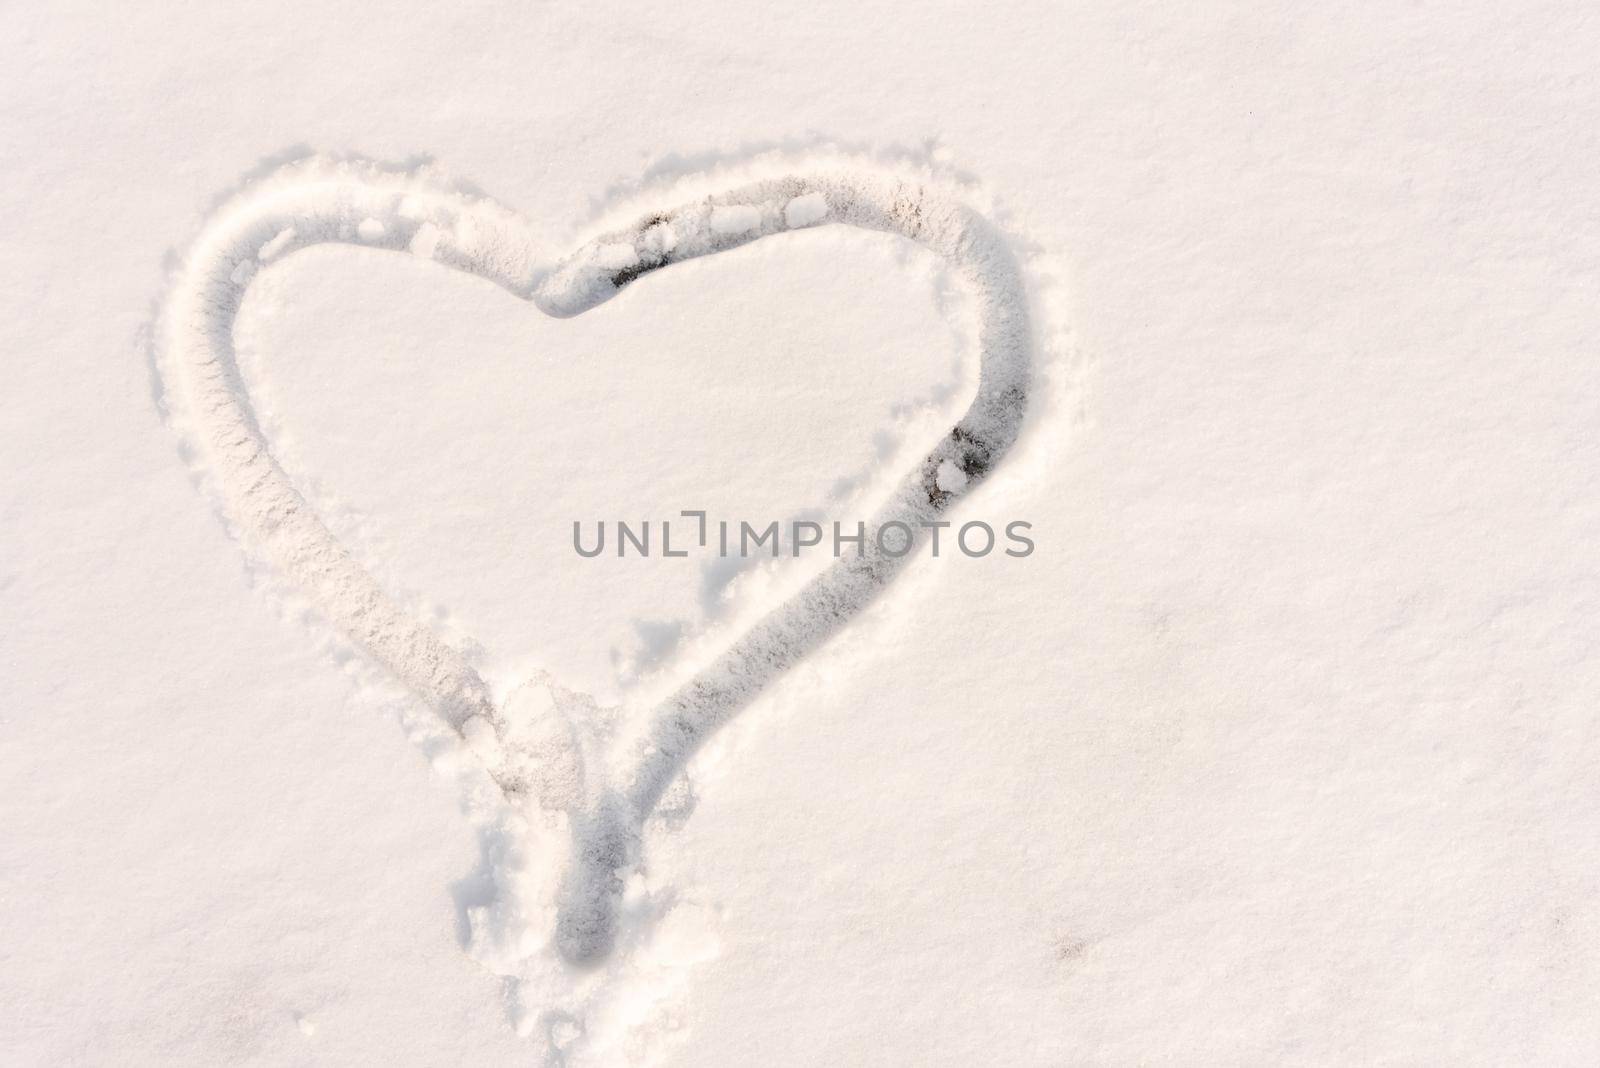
[[735, 218], [950, 478], [659, 239], [276, 245], [805, 210], [480, 737], [425, 242], [616, 256]]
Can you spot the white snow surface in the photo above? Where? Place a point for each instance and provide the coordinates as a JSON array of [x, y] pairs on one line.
[[1280, 747]]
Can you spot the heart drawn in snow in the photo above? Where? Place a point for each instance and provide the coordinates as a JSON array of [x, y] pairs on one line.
[[549, 753]]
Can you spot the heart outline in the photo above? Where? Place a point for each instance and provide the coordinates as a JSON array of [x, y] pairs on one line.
[[319, 201]]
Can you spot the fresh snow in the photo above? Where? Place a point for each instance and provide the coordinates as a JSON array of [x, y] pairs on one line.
[[325, 324]]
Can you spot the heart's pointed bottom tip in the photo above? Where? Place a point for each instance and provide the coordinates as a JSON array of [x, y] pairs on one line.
[[606, 841]]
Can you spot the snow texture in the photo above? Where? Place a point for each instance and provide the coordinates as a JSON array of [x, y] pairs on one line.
[[1280, 749]]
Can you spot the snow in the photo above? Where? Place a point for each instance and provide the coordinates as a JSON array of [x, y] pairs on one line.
[[279, 242], [735, 218], [805, 210], [1279, 747], [950, 478], [425, 241], [596, 779]]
